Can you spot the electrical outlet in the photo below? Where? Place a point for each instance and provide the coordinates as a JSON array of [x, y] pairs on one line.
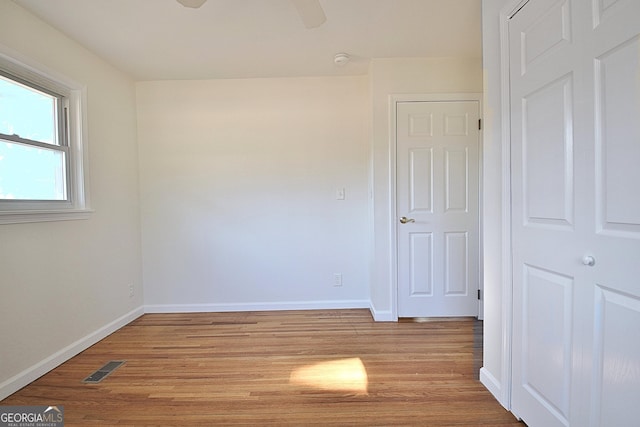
[[337, 279], [131, 290]]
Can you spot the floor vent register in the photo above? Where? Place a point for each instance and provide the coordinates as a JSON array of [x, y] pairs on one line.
[[104, 372]]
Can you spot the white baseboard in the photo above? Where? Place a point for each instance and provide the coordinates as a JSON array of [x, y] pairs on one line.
[[382, 316], [493, 385], [31, 374], [271, 306]]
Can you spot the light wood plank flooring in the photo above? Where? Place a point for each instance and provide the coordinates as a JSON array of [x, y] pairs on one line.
[[298, 368]]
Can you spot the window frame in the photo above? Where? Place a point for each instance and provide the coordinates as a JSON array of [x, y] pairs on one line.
[[71, 123]]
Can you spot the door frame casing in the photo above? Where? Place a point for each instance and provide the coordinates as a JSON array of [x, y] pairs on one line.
[[502, 389], [394, 99]]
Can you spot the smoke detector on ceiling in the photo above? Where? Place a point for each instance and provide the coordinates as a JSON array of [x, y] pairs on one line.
[[341, 59]]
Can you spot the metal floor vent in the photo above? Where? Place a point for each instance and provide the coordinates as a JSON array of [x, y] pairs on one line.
[[103, 372]]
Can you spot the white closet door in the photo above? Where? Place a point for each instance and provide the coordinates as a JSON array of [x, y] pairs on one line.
[[575, 100]]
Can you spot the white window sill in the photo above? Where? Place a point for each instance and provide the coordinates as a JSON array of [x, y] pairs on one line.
[[17, 217]]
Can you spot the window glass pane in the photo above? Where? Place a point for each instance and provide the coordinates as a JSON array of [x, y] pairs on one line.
[[31, 173], [27, 112]]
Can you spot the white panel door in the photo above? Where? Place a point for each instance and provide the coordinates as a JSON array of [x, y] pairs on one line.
[[575, 134], [437, 195]]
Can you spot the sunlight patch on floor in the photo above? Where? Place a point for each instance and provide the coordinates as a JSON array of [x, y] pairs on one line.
[[347, 375]]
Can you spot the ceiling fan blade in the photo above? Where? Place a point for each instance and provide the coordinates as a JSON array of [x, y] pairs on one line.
[[194, 4], [310, 12]]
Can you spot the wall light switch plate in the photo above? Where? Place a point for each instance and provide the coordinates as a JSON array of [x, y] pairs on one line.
[[340, 194]]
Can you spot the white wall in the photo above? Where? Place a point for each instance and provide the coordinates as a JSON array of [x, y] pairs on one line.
[[65, 284], [402, 76], [493, 373], [238, 193]]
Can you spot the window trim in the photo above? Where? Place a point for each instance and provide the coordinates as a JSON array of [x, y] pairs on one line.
[[77, 205]]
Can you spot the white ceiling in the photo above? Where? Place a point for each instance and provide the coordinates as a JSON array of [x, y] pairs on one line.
[[161, 39]]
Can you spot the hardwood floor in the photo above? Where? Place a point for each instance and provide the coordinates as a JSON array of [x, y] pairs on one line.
[[294, 368]]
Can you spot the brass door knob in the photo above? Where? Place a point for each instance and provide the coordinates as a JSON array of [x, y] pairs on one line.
[[405, 220]]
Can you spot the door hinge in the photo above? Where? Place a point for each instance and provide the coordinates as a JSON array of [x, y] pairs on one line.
[[479, 124], [479, 294]]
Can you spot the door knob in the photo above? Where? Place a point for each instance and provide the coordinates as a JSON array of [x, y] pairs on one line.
[[405, 220], [588, 260]]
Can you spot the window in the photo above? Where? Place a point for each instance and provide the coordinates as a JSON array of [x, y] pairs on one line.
[[41, 146]]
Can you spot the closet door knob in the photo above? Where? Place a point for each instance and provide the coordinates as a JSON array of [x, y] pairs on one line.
[[588, 260]]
